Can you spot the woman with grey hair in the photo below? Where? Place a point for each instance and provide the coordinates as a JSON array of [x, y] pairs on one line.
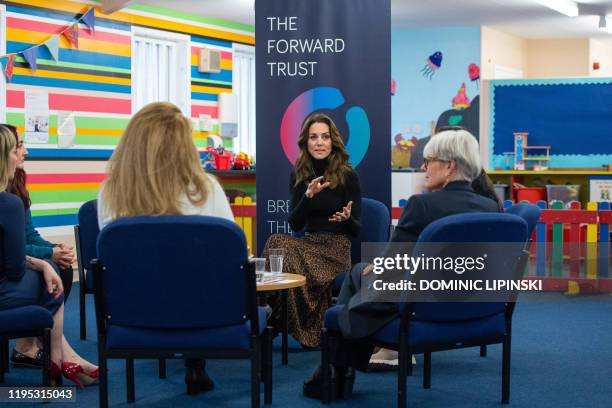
[[451, 162]]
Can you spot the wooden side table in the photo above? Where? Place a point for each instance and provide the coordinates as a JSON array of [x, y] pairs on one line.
[[289, 281]]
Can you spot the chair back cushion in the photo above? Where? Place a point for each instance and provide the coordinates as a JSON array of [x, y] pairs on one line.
[[529, 212], [375, 226], [88, 231], [173, 272], [481, 228], [12, 247]]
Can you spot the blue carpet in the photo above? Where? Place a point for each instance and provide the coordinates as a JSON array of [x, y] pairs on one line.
[[561, 357]]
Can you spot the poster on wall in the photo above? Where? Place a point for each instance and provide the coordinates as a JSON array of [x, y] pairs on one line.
[[36, 116], [316, 56], [66, 129], [600, 191]]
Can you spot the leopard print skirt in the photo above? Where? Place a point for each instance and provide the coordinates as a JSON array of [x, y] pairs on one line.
[[319, 257]]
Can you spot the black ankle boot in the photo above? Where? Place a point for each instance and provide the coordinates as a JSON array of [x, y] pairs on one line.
[[313, 387], [196, 378]]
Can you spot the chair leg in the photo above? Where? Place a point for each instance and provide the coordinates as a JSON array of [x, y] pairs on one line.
[[6, 355], [426, 370], [3, 359], [46, 358], [409, 369], [483, 351], [255, 380], [404, 361], [103, 377], [162, 368], [267, 363], [82, 312], [326, 392], [506, 370], [129, 379]]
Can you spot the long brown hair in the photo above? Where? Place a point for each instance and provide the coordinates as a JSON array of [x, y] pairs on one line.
[[17, 185], [337, 161], [7, 144], [155, 163]]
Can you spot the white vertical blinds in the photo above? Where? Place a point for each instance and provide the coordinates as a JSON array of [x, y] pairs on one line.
[[243, 85], [154, 71]]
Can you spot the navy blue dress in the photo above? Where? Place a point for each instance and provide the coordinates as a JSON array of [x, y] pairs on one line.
[[19, 285]]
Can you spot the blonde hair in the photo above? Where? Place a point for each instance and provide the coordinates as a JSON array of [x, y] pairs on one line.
[[460, 146], [155, 163], [7, 144], [337, 160]]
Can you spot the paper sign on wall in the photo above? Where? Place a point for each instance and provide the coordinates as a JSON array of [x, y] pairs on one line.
[[66, 129], [36, 116], [600, 191]]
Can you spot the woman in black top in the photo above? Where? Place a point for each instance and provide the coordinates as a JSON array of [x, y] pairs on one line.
[[326, 203]]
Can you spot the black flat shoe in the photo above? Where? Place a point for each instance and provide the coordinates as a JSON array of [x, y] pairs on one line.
[[313, 387], [22, 361]]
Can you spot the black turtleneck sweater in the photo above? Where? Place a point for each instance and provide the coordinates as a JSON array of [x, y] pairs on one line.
[[314, 213]]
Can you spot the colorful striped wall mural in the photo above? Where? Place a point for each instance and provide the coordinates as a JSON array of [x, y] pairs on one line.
[[94, 81]]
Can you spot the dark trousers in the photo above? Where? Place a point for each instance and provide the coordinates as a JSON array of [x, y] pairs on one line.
[[351, 352]]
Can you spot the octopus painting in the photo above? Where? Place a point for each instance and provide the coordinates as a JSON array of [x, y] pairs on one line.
[[434, 62]]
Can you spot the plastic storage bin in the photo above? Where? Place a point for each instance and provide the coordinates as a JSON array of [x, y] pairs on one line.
[[531, 194], [564, 193], [501, 190]]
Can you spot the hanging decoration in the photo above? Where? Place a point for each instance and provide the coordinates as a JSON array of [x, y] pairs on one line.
[[71, 32], [52, 45], [8, 70]]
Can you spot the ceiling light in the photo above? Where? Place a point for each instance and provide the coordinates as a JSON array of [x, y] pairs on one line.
[[605, 24], [567, 7]]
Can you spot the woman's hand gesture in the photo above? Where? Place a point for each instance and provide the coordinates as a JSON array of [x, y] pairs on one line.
[[315, 187], [344, 215]]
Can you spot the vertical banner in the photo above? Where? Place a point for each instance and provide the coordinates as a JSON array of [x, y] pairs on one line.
[[332, 56]]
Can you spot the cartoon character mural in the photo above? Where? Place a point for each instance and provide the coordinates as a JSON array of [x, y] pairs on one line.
[[434, 62], [474, 73]]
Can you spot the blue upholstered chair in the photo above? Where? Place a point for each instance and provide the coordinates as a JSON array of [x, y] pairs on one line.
[[528, 212], [375, 227], [85, 236], [26, 321], [178, 287], [435, 326]]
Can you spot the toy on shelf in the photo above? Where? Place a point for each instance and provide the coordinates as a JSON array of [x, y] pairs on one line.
[[523, 160], [217, 159], [242, 162]]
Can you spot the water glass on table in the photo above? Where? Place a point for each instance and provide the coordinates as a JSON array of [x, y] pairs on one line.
[[260, 268], [276, 256]]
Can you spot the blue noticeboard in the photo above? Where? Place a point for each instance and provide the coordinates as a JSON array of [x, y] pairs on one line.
[[573, 116]]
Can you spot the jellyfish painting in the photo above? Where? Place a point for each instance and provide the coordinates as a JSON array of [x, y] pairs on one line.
[[474, 73], [434, 62]]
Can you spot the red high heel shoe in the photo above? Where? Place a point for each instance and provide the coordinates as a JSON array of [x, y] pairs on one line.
[[75, 373]]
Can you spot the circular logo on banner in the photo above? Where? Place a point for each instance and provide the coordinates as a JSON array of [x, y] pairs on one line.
[[324, 98]]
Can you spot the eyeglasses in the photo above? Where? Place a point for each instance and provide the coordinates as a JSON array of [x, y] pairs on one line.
[[426, 162]]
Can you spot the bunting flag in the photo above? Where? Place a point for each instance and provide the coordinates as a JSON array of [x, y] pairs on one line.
[[72, 35], [30, 57], [89, 19], [52, 45], [8, 70]]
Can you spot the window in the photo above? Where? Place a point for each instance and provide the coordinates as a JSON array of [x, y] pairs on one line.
[[243, 85], [160, 68]]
